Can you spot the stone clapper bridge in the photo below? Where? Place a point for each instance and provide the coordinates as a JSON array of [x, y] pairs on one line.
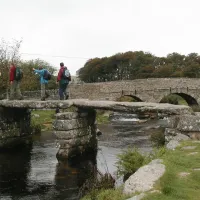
[[76, 131]]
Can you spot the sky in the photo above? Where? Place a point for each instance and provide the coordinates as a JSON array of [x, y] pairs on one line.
[[73, 31]]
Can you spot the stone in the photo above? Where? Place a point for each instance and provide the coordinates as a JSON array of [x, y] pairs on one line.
[[74, 133], [172, 144], [189, 147], [189, 123], [137, 197], [144, 178], [196, 169], [64, 125], [181, 137], [133, 107], [192, 153], [169, 122], [35, 115], [183, 174], [70, 115], [78, 141]]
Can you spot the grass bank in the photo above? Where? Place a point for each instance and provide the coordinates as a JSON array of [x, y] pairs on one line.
[[181, 180]]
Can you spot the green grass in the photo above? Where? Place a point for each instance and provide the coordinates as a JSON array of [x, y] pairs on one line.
[[45, 119], [171, 185], [110, 194]]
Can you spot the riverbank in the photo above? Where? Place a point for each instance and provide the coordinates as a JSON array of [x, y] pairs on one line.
[[180, 181]]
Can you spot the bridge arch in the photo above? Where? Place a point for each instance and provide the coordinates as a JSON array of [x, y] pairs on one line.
[[188, 98], [135, 98]]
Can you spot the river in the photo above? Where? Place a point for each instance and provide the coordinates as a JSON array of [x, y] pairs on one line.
[[33, 173]]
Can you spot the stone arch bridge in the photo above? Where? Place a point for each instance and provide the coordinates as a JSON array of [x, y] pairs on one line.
[[146, 90]]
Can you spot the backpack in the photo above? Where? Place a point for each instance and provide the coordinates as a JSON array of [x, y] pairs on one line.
[[18, 74], [66, 74], [47, 75]]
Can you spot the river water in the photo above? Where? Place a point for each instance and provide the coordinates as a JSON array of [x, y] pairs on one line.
[[33, 173]]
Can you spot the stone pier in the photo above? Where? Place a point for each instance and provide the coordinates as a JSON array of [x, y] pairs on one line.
[[14, 126], [76, 133]]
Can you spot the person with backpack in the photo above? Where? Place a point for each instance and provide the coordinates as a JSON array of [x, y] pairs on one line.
[[15, 76], [45, 76], [63, 79]]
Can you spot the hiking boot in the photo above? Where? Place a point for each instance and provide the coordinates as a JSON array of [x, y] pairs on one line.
[[66, 97], [47, 95], [21, 98], [43, 99]]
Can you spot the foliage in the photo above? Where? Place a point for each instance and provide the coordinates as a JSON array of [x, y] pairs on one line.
[[130, 161], [10, 52], [158, 137], [172, 185], [102, 117], [138, 64], [126, 99], [43, 120], [173, 99]]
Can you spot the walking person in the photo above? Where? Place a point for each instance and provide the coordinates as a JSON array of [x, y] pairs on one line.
[[44, 78], [15, 76], [63, 79]]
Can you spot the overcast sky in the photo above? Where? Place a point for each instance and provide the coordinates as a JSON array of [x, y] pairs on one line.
[[82, 29]]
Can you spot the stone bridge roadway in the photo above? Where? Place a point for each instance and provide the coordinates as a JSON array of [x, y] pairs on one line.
[[75, 131], [146, 90]]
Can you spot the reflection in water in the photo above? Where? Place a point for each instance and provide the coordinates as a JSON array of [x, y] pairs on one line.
[[33, 172], [14, 169]]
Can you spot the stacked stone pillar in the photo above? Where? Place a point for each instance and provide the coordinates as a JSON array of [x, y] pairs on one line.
[[76, 133]]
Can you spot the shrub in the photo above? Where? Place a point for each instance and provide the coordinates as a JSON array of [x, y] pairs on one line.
[[130, 161], [158, 137]]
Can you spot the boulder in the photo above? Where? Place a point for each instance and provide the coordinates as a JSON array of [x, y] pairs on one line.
[[144, 178], [172, 144]]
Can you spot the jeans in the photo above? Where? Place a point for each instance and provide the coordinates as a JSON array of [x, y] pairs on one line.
[[63, 91]]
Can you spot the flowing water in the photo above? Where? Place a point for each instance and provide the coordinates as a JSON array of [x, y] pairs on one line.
[[32, 172]]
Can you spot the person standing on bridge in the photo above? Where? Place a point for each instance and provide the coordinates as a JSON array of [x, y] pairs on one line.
[[43, 81], [63, 79], [15, 76]]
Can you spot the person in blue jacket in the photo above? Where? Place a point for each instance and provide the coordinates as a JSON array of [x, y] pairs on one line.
[[43, 82]]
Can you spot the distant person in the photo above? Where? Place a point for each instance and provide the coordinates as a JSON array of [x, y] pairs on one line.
[[63, 79], [15, 78], [45, 76]]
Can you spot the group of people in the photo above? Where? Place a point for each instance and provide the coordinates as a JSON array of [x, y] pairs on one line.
[[63, 80]]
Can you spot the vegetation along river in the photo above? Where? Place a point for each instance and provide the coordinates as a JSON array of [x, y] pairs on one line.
[[33, 172]]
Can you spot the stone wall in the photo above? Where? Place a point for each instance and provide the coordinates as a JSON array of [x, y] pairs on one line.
[[76, 133]]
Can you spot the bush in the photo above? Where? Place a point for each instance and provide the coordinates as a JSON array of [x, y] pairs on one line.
[[129, 162], [158, 137]]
